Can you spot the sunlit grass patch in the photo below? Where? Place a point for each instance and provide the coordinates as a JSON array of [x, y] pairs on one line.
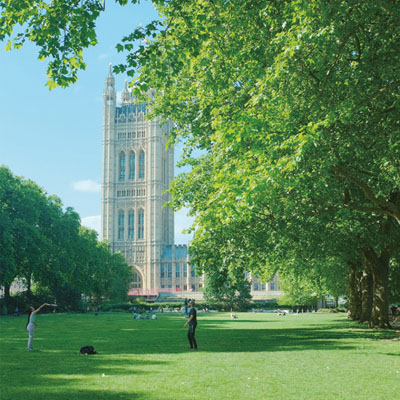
[[257, 356]]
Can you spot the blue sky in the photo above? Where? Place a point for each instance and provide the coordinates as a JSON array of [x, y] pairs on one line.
[[54, 138]]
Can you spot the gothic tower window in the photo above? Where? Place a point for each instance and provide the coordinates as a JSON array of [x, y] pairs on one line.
[[165, 225], [141, 224], [121, 217], [136, 281], [164, 171], [122, 166], [131, 224], [132, 166], [141, 165]]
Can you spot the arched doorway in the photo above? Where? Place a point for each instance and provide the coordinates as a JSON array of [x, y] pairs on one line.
[[137, 282]]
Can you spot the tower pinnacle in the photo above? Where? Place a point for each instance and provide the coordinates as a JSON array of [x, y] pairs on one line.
[[125, 95], [110, 80]]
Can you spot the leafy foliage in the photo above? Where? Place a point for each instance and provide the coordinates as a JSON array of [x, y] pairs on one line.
[[295, 107], [43, 244]]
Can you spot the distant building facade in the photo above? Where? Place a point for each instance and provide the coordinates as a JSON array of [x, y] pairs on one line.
[[137, 169], [261, 290]]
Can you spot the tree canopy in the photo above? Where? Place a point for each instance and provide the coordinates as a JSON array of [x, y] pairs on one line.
[[40, 243], [296, 106]]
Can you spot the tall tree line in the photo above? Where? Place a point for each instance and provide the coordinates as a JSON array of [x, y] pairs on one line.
[[295, 107], [43, 244]]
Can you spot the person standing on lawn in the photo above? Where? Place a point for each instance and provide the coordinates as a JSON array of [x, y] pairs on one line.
[[30, 326], [192, 322]]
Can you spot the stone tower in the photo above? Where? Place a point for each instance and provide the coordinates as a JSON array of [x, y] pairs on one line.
[[137, 169]]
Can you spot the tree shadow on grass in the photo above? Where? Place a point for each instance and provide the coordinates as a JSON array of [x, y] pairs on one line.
[[62, 375], [225, 335], [47, 392], [59, 372]]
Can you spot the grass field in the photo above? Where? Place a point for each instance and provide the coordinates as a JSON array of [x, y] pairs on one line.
[[257, 356]]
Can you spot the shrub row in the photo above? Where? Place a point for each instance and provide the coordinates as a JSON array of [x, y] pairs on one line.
[[22, 302]]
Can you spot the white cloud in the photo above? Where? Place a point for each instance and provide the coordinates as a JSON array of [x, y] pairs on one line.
[[87, 186], [182, 221], [93, 222]]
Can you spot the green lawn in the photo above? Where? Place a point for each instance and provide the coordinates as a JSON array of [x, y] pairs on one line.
[[258, 356]]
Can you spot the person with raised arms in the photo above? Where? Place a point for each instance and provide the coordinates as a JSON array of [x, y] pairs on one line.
[[30, 326]]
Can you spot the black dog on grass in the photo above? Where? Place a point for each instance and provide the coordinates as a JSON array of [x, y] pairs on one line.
[[88, 350]]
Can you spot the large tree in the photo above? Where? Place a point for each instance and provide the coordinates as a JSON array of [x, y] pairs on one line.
[[296, 105]]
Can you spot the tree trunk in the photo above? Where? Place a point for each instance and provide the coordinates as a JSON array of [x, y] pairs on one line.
[[380, 307], [354, 292], [323, 302], [6, 304], [366, 296]]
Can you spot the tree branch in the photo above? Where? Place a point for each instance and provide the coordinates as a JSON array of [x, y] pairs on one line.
[[383, 206], [377, 93], [345, 40]]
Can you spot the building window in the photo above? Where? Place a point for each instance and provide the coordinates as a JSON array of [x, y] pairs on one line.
[[193, 288], [136, 281], [162, 286], [177, 271], [165, 225], [141, 165], [256, 286], [141, 224], [264, 286], [131, 224], [162, 272], [169, 270], [184, 287], [193, 273], [132, 160], [169, 286], [164, 172], [184, 270], [272, 286], [121, 217], [122, 167], [178, 286]]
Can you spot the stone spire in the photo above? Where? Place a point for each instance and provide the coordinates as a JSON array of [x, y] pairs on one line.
[[125, 95], [110, 80]]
